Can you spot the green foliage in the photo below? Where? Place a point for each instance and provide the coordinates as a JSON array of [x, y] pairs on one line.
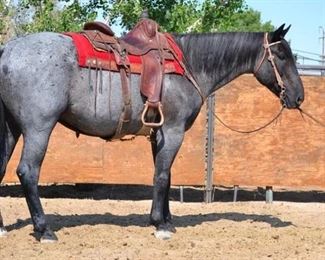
[[218, 15], [189, 15], [5, 21], [4, 12], [57, 15], [172, 15], [2, 26], [249, 21]]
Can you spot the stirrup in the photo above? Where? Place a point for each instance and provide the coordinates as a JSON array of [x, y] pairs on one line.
[[152, 124]]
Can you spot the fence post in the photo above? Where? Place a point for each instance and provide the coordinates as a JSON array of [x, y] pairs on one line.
[[269, 194], [209, 149]]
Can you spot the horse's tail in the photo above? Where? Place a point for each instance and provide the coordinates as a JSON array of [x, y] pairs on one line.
[[3, 162], [1, 50]]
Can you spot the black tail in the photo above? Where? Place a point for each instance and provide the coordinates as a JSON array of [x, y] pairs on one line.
[[1, 50], [3, 162]]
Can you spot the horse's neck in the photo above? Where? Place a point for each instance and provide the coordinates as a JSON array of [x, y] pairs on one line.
[[217, 58]]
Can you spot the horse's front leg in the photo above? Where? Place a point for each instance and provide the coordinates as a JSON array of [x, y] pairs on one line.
[[166, 142]]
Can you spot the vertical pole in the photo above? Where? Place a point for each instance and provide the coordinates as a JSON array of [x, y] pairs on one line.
[[181, 193], [236, 187], [268, 194], [323, 48], [209, 149]]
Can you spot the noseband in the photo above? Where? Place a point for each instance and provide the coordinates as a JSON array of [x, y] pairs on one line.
[[268, 51]]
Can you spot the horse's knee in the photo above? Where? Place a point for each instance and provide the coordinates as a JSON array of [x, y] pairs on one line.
[[25, 174], [22, 170]]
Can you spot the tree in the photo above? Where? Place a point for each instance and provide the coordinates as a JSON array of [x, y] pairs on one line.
[[188, 15], [5, 15], [248, 21], [172, 15], [55, 15]]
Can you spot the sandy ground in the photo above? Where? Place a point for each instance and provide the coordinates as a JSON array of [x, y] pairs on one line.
[[118, 229]]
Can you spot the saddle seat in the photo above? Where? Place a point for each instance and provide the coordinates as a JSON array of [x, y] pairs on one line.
[[145, 36]]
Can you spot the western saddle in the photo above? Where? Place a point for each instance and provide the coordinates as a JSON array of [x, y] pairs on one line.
[[143, 40]]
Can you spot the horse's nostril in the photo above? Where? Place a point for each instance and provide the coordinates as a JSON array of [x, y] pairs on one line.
[[299, 100]]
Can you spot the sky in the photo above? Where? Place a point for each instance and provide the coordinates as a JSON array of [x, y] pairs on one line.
[[305, 17]]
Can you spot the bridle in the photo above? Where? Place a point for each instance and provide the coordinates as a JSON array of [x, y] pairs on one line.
[[270, 58]]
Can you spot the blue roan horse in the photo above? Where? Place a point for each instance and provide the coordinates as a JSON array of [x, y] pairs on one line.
[[41, 84]]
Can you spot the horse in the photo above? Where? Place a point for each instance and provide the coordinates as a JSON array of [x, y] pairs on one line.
[[41, 84]]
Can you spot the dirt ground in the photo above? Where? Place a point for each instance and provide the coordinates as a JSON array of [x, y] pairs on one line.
[[118, 228]]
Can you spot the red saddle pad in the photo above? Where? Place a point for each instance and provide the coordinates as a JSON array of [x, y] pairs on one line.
[[86, 51]]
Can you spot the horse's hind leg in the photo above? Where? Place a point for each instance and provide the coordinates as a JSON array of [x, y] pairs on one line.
[[10, 136], [34, 149]]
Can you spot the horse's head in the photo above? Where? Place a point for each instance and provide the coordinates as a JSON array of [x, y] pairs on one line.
[[275, 68]]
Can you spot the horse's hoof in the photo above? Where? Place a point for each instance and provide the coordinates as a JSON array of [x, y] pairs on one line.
[[48, 237], [3, 232], [170, 227], [163, 234]]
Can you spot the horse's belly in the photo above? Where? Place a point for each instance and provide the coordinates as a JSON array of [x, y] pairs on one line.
[[96, 109]]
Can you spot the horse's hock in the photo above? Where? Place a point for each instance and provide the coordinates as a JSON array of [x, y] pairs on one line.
[[290, 153]]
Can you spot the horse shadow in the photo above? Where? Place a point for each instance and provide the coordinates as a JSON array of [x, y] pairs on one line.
[[144, 192], [59, 222]]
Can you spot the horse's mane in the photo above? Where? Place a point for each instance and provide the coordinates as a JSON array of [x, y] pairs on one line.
[[212, 52]]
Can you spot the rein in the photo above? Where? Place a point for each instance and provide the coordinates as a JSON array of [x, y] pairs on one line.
[[303, 112], [248, 131]]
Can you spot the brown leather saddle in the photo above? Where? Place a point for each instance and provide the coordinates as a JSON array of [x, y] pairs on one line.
[[143, 40]]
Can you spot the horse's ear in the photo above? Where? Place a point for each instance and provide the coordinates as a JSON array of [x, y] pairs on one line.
[[286, 30], [279, 33]]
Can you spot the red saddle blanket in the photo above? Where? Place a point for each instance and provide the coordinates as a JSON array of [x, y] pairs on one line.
[[86, 52]]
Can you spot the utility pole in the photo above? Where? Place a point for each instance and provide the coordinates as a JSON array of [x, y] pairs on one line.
[[322, 38]]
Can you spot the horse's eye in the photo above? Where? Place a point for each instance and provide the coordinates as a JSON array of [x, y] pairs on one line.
[[281, 55]]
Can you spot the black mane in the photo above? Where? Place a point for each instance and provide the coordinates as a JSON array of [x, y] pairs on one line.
[[217, 52]]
